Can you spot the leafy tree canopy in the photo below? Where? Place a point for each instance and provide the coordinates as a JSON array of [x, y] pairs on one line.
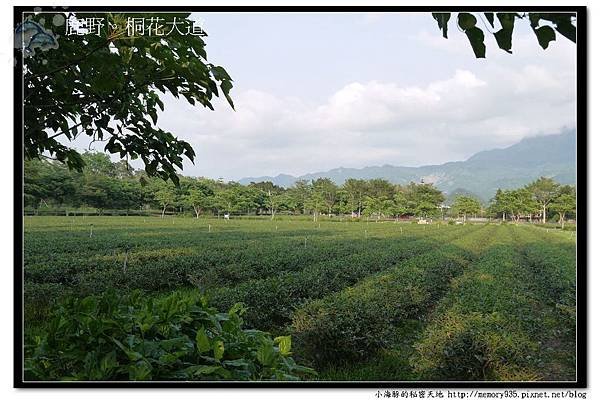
[[564, 203], [107, 85], [465, 205]]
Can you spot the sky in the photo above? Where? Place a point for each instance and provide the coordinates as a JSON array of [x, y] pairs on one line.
[[317, 91]]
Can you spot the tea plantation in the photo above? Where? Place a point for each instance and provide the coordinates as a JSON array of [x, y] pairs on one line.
[[119, 298]]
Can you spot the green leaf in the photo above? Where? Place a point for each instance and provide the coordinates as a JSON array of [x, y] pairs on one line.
[[504, 39], [504, 35], [133, 355], [237, 363], [475, 36], [225, 88], [545, 34], [140, 372], [466, 21], [304, 370], [534, 19], [563, 23], [220, 74], [568, 30], [169, 358], [442, 21], [490, 17], [218, 349], [206, 369], [202, 341], [266, 354], [109, 362], [285, 344], [237, 308]]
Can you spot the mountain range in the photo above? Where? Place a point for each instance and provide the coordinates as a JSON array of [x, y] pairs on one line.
[[480, 175]]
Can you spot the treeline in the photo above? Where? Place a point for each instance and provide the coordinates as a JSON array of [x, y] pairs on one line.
[[540, 199], [104, 185]]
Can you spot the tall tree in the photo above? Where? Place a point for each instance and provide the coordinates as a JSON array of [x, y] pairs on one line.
[[300, 193], [225, 200], [99, 163], [379, 206], [520, 203], [166, 197], [423, 199], [273, 202], [198, 200], [543, 191], [357, 190], [500, 204], [328, 191], [466, 205], [96, 191], [248, 199], [54, 183], [380, 188], [565, 202], [401, 204], [266, 186], [316, 203]]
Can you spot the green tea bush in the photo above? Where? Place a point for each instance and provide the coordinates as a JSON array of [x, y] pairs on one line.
[[489, 324], [178, 337], [271, 302], [475, 346], [554, 265], [354, 323], [38, 298], [156, 256]]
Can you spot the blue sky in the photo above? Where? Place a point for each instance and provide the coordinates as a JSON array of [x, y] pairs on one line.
[[319, 91], [316, 54]]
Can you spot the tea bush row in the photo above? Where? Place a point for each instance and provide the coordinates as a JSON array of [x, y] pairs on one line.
[[354, 323], [272, 301], [490, 324], [64, 262], [81, 265]]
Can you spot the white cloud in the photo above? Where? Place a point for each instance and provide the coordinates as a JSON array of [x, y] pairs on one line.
[[365, 90], [374, 106], [374, 123]]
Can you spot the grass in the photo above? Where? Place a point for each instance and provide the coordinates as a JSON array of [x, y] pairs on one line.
[[362, 301]]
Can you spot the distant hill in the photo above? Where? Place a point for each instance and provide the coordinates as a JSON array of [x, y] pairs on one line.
[[283, 180], [481, 174]]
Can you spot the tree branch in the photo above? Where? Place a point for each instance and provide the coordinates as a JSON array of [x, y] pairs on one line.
[[72, 63]]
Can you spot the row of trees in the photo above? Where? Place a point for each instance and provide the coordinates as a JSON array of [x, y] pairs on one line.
[[106, 185], [536, 200]]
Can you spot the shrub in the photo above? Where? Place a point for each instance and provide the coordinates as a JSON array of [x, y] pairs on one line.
[[492, 324], [475, 346], [353, 323], [271, 302], [178, 337], [38, 298]]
